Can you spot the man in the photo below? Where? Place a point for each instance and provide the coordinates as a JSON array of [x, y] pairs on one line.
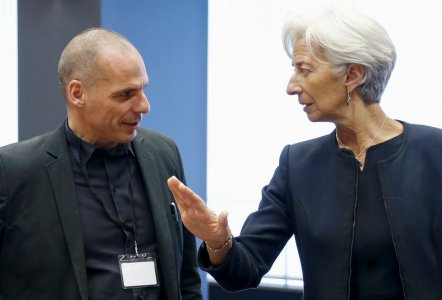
[[85, 212]]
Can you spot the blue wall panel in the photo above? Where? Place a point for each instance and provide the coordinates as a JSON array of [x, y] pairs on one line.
[[171, 35]]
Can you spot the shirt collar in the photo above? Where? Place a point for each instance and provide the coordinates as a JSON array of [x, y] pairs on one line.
[[83, 149]]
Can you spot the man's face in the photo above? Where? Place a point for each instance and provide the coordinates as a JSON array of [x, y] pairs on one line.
[[115, 103]]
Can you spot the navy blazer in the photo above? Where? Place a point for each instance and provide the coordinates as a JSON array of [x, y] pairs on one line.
[[41, 242], [312, 196]]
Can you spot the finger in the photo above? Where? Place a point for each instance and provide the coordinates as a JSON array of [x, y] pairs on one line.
[[188, 201], [174, 184], [173, 181], [190, 198]]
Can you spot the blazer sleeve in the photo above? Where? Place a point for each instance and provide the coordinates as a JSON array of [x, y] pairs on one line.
[[263, 236], [3, 200]]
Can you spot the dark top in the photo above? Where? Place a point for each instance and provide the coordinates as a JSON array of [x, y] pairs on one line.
[[375, 269], [312, 196], [114, 213]]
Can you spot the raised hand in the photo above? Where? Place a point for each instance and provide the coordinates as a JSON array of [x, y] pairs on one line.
[[200, 220], [197, 217]]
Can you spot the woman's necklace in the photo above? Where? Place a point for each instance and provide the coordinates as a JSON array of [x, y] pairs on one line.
[[368, 145]]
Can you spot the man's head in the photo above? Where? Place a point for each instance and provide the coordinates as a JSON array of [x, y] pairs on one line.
[[102, 77]]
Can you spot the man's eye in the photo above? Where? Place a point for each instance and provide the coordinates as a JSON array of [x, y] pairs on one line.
[[128, 94]]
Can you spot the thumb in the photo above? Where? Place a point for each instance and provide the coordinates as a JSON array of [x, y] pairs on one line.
[[223, 222]]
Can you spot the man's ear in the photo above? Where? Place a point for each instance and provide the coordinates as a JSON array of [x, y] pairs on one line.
[[75, 93], [355, 74]]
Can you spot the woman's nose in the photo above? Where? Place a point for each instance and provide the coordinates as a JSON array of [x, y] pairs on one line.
[[293, 87]]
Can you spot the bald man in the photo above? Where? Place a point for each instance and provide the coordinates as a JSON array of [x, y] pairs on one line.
[[85, 211]]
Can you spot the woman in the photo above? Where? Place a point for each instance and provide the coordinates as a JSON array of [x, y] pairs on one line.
[[364, 203]]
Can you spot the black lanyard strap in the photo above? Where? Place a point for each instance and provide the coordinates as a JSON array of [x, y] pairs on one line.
[[127, 229]]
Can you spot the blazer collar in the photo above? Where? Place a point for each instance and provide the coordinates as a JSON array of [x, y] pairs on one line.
[[62, 180], [157, 192]]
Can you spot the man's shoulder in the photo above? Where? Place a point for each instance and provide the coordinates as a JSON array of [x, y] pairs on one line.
[[151, 137], [31, 153], [147, 132], [33, 144]]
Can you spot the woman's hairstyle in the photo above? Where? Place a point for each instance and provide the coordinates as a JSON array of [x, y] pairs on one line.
[[346, 38]]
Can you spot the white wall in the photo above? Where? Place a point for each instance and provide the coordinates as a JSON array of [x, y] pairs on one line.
[[8, 72], [250, 117]]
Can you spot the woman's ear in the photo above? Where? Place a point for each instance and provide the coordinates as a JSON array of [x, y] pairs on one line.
[[75, 93], [355, 74]]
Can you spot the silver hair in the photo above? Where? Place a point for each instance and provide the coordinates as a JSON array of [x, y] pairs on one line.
[[345, 38]]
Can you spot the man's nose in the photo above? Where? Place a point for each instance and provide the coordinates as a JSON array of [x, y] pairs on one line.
[[143, 105]]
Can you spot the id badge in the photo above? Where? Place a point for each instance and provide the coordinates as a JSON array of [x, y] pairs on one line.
[[138, 270]]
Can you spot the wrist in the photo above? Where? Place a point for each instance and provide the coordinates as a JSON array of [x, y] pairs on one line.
[[218, 248]]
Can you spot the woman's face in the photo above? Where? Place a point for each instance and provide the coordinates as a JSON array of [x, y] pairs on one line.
[[319, 89]]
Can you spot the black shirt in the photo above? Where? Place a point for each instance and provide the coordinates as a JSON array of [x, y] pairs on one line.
[[110, 193], [375, 269]]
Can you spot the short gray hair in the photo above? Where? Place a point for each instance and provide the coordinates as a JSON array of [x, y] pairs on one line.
[[79, 59], [346, 38]]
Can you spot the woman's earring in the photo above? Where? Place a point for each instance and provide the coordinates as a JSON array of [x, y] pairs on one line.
[[348, 101]]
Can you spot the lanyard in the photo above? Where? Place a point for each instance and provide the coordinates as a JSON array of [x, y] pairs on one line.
[[117, 220]]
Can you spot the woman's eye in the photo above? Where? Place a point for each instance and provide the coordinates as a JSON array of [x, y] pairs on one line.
[[304, 70]]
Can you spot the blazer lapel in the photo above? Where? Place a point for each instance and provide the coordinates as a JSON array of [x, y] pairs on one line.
[[155, 188], [62, 181]]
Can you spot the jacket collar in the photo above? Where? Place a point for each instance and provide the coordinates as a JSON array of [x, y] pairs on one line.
[[61, 177], [157, 192]]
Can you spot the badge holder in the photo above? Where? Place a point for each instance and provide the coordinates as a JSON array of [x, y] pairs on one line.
[[138, 270]]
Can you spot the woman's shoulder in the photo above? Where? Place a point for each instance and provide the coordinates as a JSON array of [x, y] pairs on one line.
[[314, 143], [421, 132], [315, 147]]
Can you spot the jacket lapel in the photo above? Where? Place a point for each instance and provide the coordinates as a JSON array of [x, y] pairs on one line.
[[155, 188], [62, 181]]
